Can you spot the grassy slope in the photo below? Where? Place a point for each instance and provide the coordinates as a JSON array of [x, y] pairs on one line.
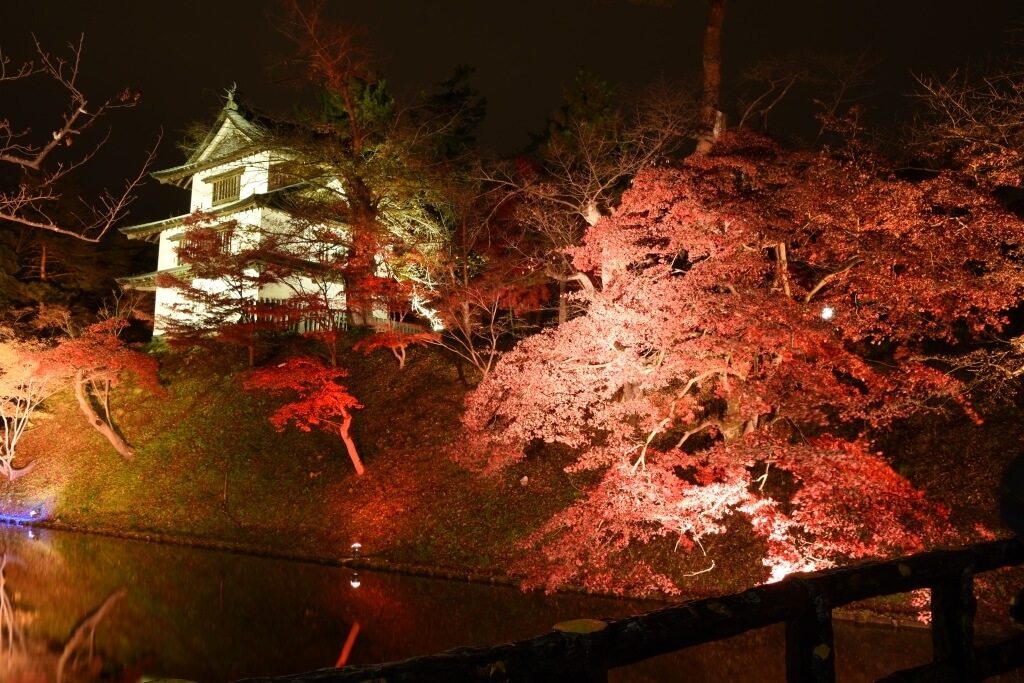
[[292, 491], [296, 493]]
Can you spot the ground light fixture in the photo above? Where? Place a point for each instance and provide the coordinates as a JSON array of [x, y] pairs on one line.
[[356, 547], [354, 580], [827, 313]]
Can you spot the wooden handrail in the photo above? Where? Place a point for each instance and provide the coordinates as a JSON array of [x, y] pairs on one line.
[[585, 650]]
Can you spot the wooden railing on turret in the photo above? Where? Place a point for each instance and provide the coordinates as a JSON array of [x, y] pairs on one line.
[[400, 326], [290, 316], [584, 650]]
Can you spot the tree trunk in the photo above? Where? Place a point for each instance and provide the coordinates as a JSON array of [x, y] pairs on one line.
[[14, 473], [711, 119], [350, 445], [224, 493], [81, 394], [563, 305]]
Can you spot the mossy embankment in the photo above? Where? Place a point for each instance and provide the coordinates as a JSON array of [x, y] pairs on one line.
[[211, 470]]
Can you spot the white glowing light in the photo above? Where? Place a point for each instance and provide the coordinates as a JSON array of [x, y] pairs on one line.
[[354, 581], [827, 313], [419, 306], [356, 547], [31, 534]]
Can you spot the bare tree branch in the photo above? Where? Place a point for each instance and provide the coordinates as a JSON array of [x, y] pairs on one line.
[[42, 158]]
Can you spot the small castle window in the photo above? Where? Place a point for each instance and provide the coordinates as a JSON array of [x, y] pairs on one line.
[[226, 188], [203, 241]]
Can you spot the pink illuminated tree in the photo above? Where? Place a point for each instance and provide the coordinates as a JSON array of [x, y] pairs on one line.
[[25, 383], [748, 307]]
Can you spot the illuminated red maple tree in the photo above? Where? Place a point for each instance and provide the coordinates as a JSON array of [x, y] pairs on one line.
[[322, 402], [94, 362], [397, 341], [752, 305]]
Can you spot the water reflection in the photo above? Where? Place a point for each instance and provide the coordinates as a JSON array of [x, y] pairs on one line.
[[77, 608], [26, 658], [78, 659]]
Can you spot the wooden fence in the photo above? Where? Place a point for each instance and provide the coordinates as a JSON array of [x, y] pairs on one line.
[[584, 650], [291, 316], [398, 326]]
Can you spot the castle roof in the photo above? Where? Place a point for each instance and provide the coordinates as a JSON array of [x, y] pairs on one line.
[[275, 199], [238, 132]]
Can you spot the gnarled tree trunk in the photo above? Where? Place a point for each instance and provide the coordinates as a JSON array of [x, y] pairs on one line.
[[350, 445], [97, 422], [13, 473]]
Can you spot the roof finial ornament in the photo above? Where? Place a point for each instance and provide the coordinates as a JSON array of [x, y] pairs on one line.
[[230, 103]]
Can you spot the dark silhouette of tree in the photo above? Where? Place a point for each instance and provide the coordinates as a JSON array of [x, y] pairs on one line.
[[593, 146], [40, 154], [712, 120]]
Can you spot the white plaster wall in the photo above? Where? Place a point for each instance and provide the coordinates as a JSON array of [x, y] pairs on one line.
[[167, 299], [302, 285], [255, 176], [167, 256]]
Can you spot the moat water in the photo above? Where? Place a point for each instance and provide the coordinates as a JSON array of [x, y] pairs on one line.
[[89, 608]]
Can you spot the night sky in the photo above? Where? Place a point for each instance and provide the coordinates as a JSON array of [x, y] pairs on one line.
[[182, 55]]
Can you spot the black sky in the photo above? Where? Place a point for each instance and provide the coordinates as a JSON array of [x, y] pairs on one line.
[[182, 55]]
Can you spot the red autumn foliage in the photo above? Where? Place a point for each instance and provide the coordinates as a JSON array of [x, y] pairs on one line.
[[767, 302], [322, 402], [397, 341], [394, 297], [227, 264], [94, 362], [486, 278]]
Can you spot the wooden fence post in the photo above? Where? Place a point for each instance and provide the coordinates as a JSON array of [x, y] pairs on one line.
[[810, 650], [590, 636], [953, 608]]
